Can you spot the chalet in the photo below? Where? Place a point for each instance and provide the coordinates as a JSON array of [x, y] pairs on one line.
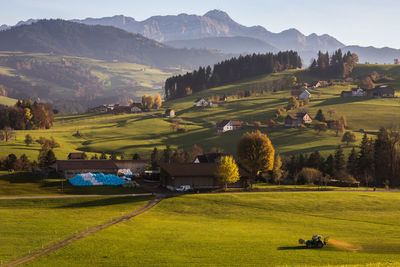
[[209, 158], [76, 155], [200, 102], [225, 126], [135, 109], [316, 84], [381, 91], [355, 92], [121, 109], [98, 109], [228, 125], [198, 176], [169, 113], [136, 166], [378, 91], [301, 94], [69, 168], [294, 120]]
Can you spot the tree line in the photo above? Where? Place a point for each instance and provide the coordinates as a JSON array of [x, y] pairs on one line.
[[27, 115], [338, 65], [229, 71]]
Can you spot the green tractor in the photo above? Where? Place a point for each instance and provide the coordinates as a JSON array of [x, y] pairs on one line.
[[317, 241]]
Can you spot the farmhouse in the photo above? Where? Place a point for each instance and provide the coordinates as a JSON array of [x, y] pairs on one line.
[[121, 109], [378, 91], [76, 155], [69, 168], [98, 109], [355, 92], [209, 158], [294, 120], [301, 94], [316, 84], [381, 91], [169, 113], [136, 166], [198, 176], [200, 102], [228, 125]]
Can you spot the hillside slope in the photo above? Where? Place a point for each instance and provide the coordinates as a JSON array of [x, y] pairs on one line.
[[99, 42], [72, 84], [140, 133]]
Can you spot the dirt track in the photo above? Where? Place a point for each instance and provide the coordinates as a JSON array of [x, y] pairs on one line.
[[83, 234]]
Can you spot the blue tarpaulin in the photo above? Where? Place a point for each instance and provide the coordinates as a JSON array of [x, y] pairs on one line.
[[96, 179]]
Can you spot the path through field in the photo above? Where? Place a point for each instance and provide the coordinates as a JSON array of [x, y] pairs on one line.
[[83, 234], [77, 196]]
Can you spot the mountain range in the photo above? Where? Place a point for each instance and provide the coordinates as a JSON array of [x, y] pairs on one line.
[[100, 42], [216, 30]]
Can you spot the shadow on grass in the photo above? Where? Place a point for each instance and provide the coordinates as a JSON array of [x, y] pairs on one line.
[[292, 248], [343, 100], [103, 202], [19, 177]]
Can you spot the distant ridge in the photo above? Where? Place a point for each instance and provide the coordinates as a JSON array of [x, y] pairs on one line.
[[214, 23], [100, 42], [214, 29]]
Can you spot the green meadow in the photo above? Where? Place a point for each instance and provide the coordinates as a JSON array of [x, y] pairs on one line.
[[7, 101], [27, 184], [140, 133], [249, 229], [29, 225]]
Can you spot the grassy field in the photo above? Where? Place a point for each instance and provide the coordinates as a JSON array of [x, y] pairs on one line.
[[7, 101], [25, 184], [140, 133], [226, 230], [31, 224]]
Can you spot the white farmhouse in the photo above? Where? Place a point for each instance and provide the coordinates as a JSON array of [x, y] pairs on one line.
[[201, 102]]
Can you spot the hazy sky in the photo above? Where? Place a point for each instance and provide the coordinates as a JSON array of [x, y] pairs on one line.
[[363, 22]]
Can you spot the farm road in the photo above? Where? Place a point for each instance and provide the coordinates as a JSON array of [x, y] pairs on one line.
[[75, 196], [83, 234]]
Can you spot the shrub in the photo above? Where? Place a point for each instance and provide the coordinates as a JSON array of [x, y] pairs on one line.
[[310, 176]]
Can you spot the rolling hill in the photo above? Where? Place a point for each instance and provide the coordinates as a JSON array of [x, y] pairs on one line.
[[99, 42], [72, 84], [140, 133]]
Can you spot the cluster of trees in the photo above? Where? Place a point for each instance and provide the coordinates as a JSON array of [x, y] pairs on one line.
[[170, 155], [375, 162], [11, 162], [323, 169], [26, 115], [293, 103], [149, 102], [229, 71], [337, 65]]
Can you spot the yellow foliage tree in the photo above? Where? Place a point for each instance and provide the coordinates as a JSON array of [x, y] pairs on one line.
[[147, 101], [227, 171], [28, 114], [256, 152], [157, 101]]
